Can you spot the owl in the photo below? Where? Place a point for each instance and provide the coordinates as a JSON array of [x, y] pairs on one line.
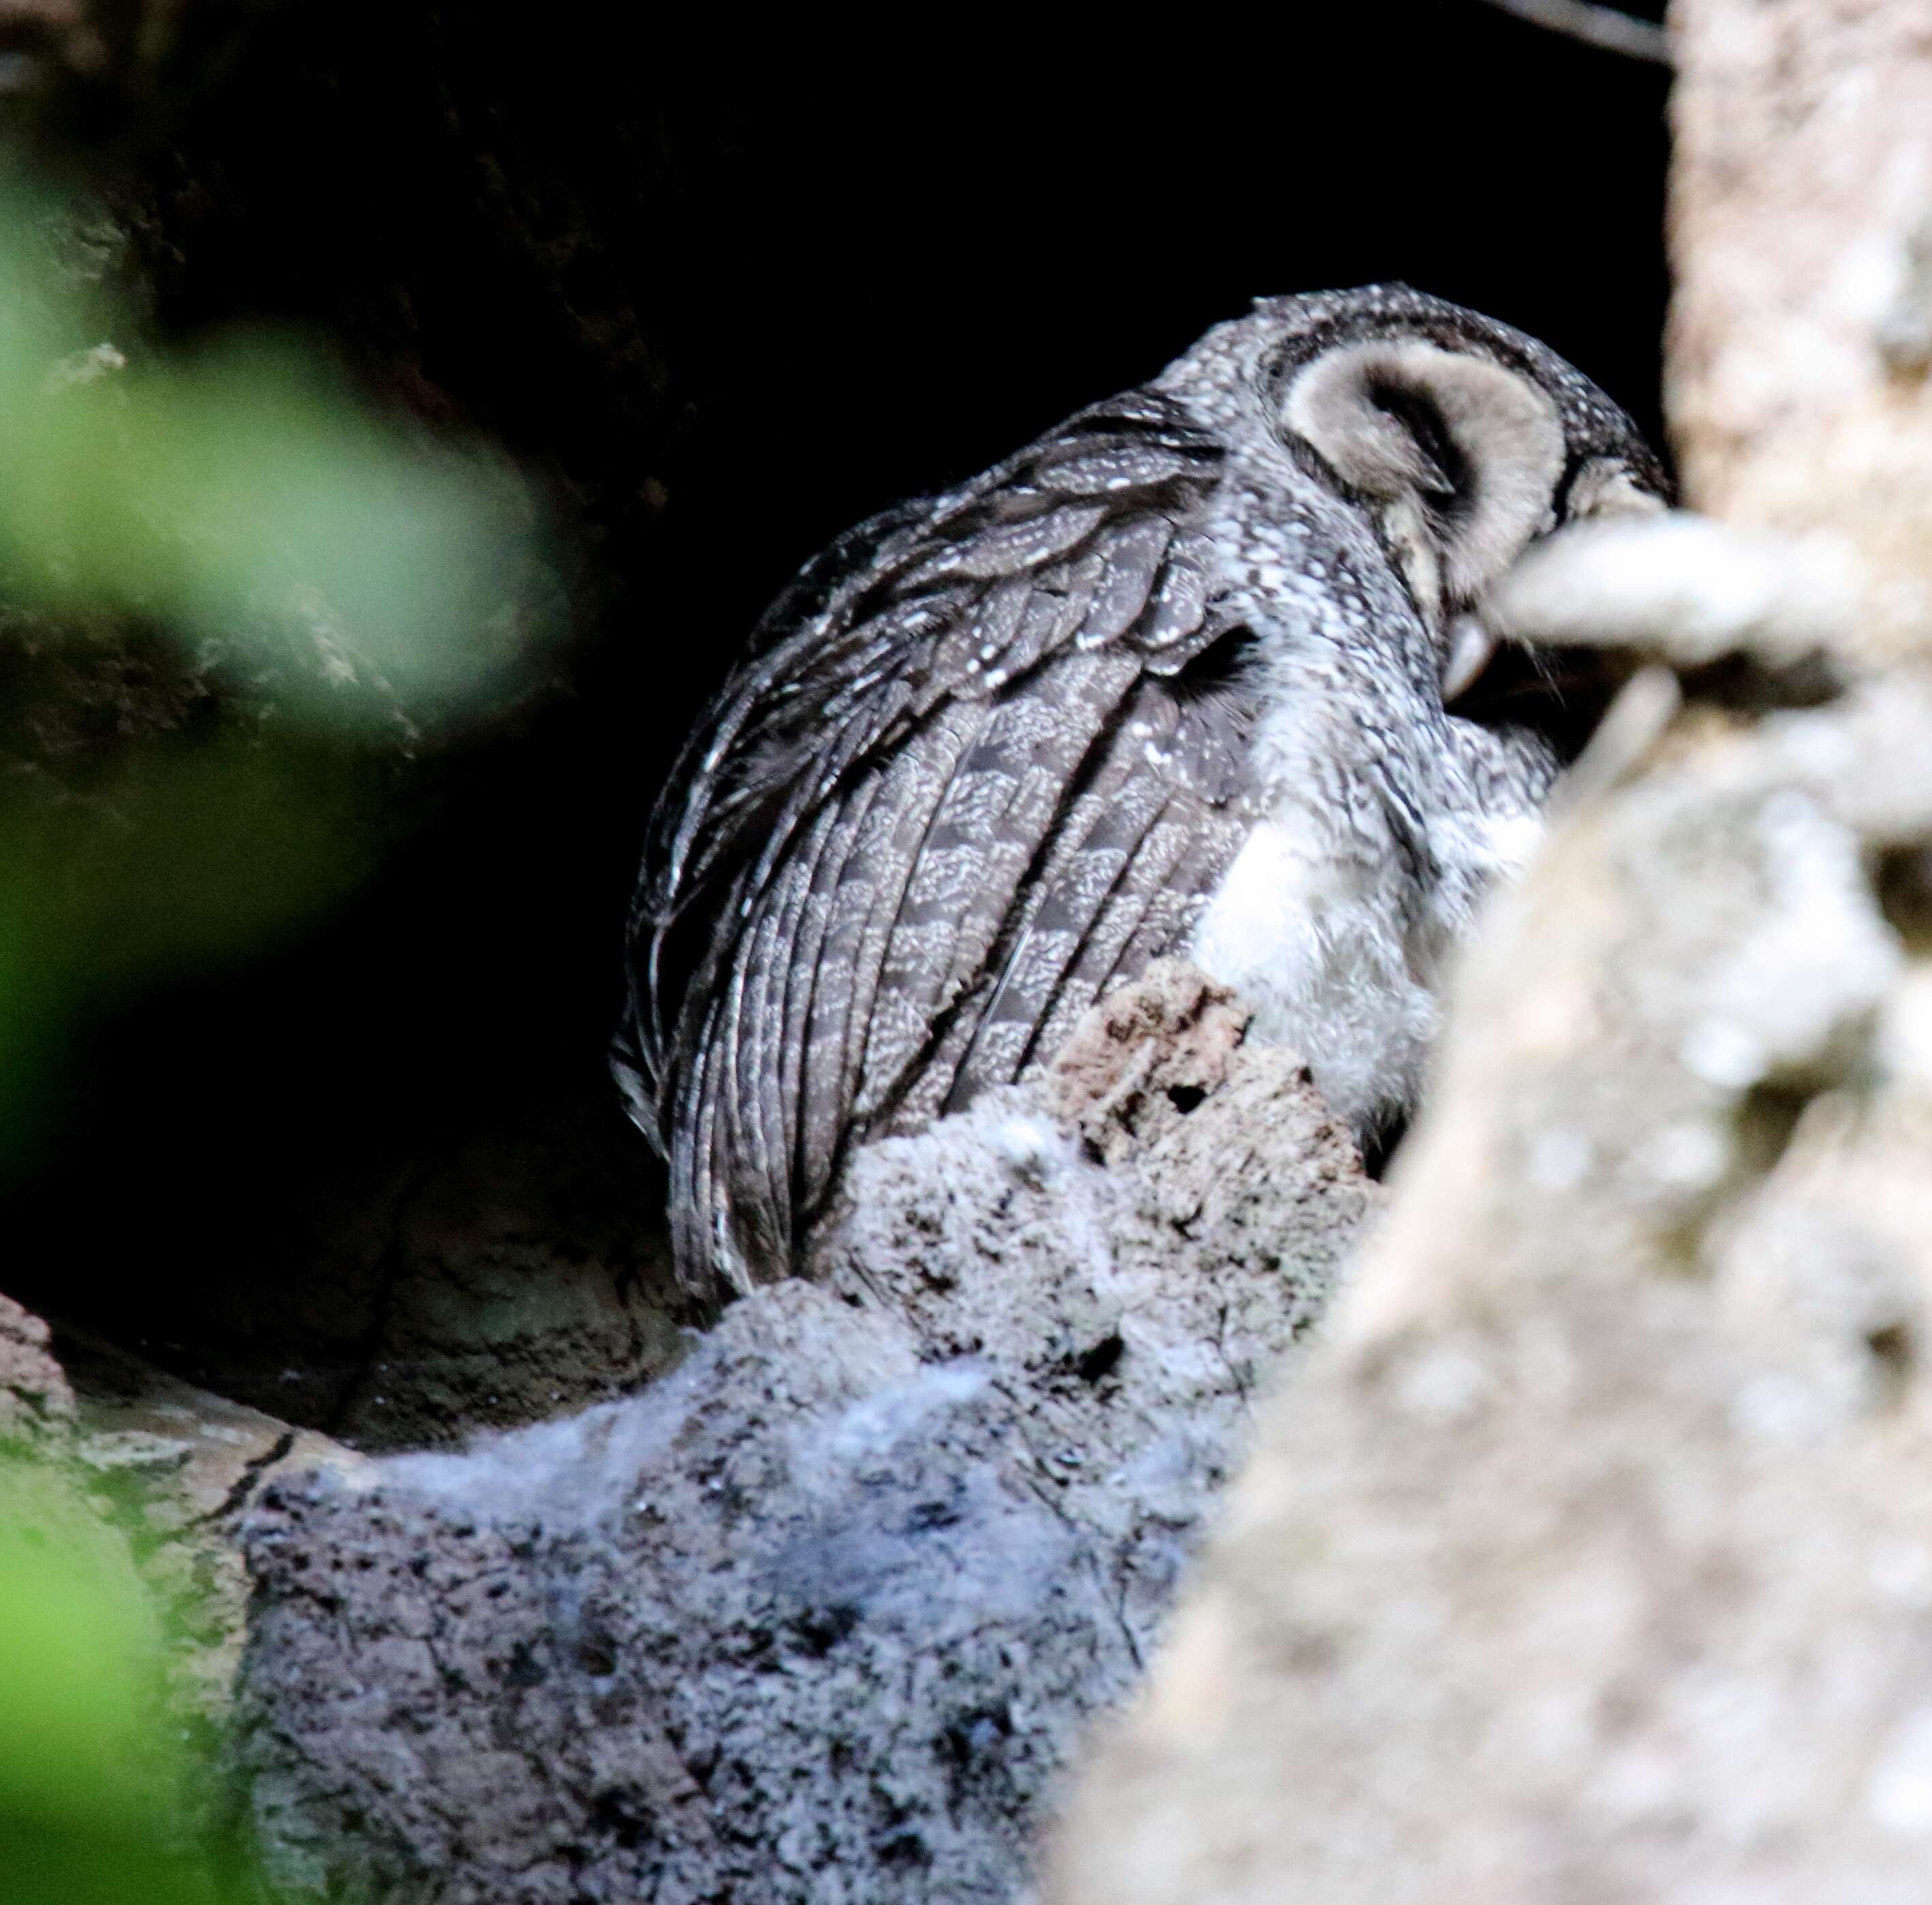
[[1204, 670]]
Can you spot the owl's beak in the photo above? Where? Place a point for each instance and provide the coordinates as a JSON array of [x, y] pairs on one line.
[[1472, 646]]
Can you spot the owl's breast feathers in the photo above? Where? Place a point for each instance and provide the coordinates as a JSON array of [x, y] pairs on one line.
[[991, 753]]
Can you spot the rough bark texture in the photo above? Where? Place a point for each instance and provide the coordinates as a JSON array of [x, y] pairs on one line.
[[36, 1401], [1590, 1560], [820, 1615], [1612, 1464], [1801, 333], [173, 1468]]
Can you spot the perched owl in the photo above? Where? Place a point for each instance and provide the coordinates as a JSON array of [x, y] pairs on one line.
[[1203, 670]]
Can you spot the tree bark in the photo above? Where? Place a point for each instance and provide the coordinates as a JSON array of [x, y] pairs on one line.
[[1590, 1558]]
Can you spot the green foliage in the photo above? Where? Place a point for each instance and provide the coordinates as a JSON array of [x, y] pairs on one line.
[[227, 588], [88, 1772], [241, 494], [233, 602]]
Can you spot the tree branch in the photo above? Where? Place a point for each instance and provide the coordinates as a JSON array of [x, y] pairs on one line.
[[1605, 27]]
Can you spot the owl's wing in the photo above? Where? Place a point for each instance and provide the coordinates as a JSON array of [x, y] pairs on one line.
[[986, 758]]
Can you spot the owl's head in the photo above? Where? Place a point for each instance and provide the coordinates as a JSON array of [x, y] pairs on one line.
[[1463, 441]]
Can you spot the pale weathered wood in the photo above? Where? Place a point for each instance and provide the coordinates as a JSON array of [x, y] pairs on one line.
[[1801, 333]]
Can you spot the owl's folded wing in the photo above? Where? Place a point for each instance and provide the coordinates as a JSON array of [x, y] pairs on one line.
[[996, 766]]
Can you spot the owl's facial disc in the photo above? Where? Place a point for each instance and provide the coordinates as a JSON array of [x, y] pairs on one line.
[[1462, 456], [1462, 461]]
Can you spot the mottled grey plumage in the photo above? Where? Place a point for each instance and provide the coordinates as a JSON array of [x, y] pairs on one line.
[[1171, 678]]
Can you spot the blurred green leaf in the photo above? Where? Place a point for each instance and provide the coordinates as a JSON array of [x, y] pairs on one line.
[[71, 1658], [315, 574], [325, 577], [87, 1769], [242, 492]]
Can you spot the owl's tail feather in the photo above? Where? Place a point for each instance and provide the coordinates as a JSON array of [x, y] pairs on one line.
[[627, 1067]]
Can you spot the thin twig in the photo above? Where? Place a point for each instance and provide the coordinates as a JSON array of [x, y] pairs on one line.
[[1615, 31]]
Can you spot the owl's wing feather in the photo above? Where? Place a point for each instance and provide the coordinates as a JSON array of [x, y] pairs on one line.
[[961, 780], [1172, 858], [942, 941]]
